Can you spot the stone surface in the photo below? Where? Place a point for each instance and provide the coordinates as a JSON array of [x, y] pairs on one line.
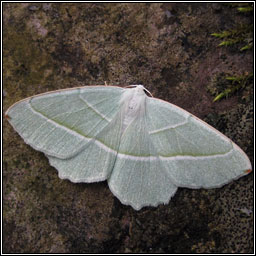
[[167, 48]]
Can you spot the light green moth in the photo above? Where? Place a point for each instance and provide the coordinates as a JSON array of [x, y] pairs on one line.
[[144, 147]]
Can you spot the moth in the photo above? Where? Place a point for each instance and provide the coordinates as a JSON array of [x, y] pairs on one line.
[[143, 146]]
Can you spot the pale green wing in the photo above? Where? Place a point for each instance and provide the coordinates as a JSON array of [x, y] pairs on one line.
[[78, 129], [96, 161], [61, 123], [195, 154], [139, 178]]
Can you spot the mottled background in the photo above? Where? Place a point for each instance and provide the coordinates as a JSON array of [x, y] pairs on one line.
[[169, 49]]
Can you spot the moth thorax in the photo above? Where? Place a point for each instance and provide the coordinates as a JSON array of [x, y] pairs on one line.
[[134, 109]]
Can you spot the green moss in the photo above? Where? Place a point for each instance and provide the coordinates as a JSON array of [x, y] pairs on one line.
[[236, 83], [241, 36], [224, 85], [245, 9]]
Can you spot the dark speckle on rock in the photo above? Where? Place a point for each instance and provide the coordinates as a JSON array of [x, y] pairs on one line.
[[47, 6], [168, 48], [216, 7]]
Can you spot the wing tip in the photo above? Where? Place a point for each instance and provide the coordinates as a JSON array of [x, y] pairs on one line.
[[7, 117], [247, 171]]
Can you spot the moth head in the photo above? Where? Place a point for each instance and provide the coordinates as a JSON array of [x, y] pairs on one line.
[[141, 89]]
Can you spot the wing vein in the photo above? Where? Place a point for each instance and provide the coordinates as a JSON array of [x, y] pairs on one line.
[[94, 109], [168, 127]]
